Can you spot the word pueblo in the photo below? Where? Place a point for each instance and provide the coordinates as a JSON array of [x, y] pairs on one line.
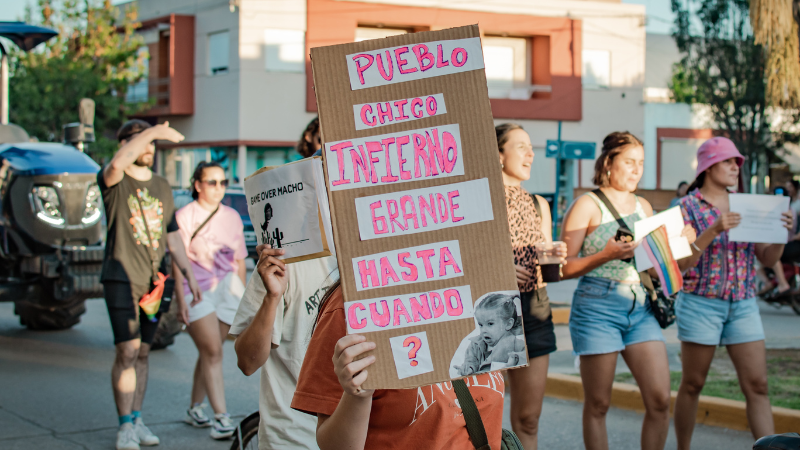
[[395, 157]]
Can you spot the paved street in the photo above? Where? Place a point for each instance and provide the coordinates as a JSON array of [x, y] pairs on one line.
[[56, 391]]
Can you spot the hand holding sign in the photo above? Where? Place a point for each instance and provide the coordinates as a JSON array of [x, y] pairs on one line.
[[352, 373]]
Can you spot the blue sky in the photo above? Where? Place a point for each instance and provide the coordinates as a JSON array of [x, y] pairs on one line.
[[658, 12]]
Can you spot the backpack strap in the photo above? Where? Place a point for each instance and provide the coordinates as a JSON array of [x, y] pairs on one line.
[[611, 209], [204, 223], [472, 417], [536, 205]]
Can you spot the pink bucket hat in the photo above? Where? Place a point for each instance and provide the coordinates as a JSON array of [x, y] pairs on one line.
[[716, 150]]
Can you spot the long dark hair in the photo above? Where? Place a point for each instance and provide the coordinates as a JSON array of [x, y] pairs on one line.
[[698, 182], [305, 147], [612, 146], [198, 174], [502, 132]]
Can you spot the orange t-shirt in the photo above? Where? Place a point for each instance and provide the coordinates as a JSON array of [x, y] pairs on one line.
[[426, 417]]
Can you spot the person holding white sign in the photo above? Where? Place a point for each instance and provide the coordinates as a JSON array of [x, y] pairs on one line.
[[717, 305], [529, 223], [610, 314]]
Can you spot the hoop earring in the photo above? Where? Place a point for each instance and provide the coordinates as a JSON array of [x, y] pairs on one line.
[[502, 166], [608, 174]]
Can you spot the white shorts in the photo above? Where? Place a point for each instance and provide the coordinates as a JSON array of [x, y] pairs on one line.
[[223, 299]]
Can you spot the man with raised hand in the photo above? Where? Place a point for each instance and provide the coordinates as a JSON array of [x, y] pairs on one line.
[[141, 224]]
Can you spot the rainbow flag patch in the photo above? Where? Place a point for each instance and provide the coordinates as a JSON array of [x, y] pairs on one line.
[[656, 244]]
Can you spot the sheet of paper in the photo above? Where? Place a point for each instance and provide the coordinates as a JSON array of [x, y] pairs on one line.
[[412, 354], [673, 219], [761, 218], [434, 261], [418, 210]]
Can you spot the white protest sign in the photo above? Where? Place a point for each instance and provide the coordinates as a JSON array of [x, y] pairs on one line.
[[406, 310], [434, 261], [427, 209], [379, 114], [761, 218], [413, 62], [412, 354], [392, 158], [673, 219], [283, 204]]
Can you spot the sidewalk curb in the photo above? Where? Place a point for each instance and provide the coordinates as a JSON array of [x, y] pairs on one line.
[[713, 411]]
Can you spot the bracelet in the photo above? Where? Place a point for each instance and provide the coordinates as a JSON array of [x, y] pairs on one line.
[[694, 246]]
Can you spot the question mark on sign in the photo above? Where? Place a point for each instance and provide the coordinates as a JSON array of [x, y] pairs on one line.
[[415, 344]]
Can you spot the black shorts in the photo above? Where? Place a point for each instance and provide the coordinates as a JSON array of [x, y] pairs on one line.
[[128, 321], [537, 320]]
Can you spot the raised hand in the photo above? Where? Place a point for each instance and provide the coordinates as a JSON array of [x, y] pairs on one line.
[[351, 373]]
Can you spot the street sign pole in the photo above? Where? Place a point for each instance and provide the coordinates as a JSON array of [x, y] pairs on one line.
[[554, 212]]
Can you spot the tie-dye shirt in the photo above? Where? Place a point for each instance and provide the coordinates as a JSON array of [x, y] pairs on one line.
[[726, 270]]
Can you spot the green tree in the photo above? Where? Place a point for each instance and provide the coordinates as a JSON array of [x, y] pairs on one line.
[[95, 55], [724, 68]]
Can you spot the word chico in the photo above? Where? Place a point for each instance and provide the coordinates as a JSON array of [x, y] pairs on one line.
[[436, 261], [413, 62], [372, 115], [426, 209], [395, 157], [283, 190], [409, 309]]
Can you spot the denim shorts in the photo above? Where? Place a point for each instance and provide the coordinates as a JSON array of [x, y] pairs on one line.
[[607, 316], [713, 321]]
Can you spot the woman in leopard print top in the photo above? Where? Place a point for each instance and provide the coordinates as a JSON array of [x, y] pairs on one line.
[[529, 224]]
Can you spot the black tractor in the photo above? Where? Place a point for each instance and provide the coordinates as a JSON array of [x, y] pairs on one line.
[[51, 226]]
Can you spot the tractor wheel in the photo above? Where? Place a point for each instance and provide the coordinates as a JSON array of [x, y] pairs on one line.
[[49, 318]]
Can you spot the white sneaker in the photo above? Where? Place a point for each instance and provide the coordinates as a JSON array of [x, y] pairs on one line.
[[126, 437], [196, 417], [145, 436], [223, 427]]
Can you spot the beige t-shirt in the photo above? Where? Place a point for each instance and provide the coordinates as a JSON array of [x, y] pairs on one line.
[[281, 426]]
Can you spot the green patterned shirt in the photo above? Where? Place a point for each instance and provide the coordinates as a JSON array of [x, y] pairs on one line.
[[596, 241]]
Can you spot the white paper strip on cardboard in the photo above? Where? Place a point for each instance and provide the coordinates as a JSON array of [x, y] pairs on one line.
[[412, 354], [413, 62], [284, 208], [407, 310], [434, 261], [761, 218], [393, 158], [679, 245], [379, 114], [427, 209]]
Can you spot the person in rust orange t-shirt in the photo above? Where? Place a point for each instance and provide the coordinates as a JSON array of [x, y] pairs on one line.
[[427, 417]]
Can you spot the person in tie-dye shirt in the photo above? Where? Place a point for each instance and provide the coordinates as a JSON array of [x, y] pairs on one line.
[[717, 305]]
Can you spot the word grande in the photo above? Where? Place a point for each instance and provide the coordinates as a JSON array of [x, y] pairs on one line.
[[406, 310]]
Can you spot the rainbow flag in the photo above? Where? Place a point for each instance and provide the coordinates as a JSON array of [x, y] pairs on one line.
[[656, 244], [151, 302]]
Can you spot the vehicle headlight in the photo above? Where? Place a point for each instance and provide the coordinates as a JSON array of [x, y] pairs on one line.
[[93, 208], [47, 205]]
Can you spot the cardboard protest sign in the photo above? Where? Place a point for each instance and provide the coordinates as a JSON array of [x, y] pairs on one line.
[[289, 208], [418, 206]]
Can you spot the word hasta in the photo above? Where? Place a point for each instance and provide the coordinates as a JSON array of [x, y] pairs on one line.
[[412, 265], [283, 190], [407, 310]]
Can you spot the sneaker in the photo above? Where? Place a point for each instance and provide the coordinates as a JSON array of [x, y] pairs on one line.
[[145, 436], [223, 427], [196, 417], [126, 438]]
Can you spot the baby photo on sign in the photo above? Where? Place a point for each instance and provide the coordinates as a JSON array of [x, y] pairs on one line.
[[498, 341]]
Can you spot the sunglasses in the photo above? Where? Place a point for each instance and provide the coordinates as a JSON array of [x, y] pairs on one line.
[[213, 183]]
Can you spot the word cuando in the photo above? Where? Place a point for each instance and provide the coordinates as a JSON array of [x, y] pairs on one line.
[[395, 157], [434, 261], [426, 209], [406, 310], [372, 115], [283, 190], [413, 62]]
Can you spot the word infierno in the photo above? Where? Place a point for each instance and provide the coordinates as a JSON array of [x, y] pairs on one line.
[[283, 190]]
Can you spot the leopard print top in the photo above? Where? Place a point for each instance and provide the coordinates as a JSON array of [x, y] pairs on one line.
[[525, 225]]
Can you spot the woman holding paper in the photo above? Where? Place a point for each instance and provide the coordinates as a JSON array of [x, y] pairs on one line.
[[717, 305], [214, 238], [529, 222], [610, 314]]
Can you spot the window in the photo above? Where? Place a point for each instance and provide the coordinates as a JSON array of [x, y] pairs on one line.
[[138, 93], [596, 69], [284, 50], [218, 48], [367, 33], [507, 67]]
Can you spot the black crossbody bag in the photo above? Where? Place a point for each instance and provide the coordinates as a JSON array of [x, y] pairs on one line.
[[663, 307]]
